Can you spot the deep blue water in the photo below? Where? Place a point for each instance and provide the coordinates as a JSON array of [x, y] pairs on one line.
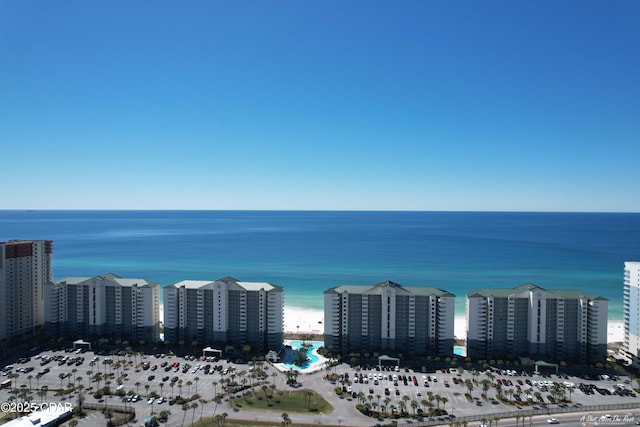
[[308, 252]]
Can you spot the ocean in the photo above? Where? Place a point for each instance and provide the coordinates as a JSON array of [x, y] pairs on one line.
[[308, 252]]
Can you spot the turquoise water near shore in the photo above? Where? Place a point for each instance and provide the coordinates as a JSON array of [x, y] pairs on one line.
[[308, 252]]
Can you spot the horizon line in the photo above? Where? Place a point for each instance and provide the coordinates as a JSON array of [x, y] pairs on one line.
[[321, 210]]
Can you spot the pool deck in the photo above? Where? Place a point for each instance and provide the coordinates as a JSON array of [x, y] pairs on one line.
[[313, 367]]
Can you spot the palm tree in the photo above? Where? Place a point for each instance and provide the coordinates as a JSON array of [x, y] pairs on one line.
[[185, 408], [217, 400], [444, 401], [509, 393], [189, 388], [196, 379], [220, 419], [80, 401], [194, 405], [307, 398], [403, 407], [285, 419], [491, 376], [485, 386], [469, 385], [202, 403], [62, 376], [108, 413], [414, 405]]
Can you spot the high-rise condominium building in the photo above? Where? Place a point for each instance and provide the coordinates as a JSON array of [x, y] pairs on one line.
[[554, 325], [631, 348], [25, 265], [224, 311], [105, 306], [388, 317]]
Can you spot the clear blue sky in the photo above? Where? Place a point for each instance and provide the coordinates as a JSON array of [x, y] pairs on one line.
[[408, 105]]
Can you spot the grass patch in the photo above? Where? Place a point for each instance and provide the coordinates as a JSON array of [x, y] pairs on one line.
[[294, 401]]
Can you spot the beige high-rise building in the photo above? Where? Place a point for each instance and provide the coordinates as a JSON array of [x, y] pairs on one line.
[[388, 317], [224, 312], [550, 324], [25, 266], [106, 306]]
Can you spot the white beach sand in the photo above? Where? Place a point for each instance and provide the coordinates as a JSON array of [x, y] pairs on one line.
[[297, 319], [615, 331], [460, 327]]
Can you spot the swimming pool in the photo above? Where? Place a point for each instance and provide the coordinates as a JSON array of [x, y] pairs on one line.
[[459, 350], [289, 356]]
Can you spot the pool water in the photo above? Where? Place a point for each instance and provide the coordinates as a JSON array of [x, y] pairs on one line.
[[289, 356], [460, 351]]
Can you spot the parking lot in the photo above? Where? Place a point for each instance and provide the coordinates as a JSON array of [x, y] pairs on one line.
[[151, 383], [462, 392]]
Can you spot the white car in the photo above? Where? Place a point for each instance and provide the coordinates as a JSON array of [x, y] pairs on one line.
[[553, 421], [151, 400]]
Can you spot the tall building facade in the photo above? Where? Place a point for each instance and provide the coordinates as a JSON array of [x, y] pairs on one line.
[[388, 317], [631, 347], [224, 311], [554, 325], [105, 306], [25, 266]]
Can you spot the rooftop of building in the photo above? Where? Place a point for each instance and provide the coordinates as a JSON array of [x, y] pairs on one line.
[[377, 289], [192, 284], [229, 281], [110, 277], [527, 287]]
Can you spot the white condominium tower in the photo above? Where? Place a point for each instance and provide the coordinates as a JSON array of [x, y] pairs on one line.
[[388, 317], [554, 325], [25, 266], [224, 312], [105, 306], [631, 347]]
